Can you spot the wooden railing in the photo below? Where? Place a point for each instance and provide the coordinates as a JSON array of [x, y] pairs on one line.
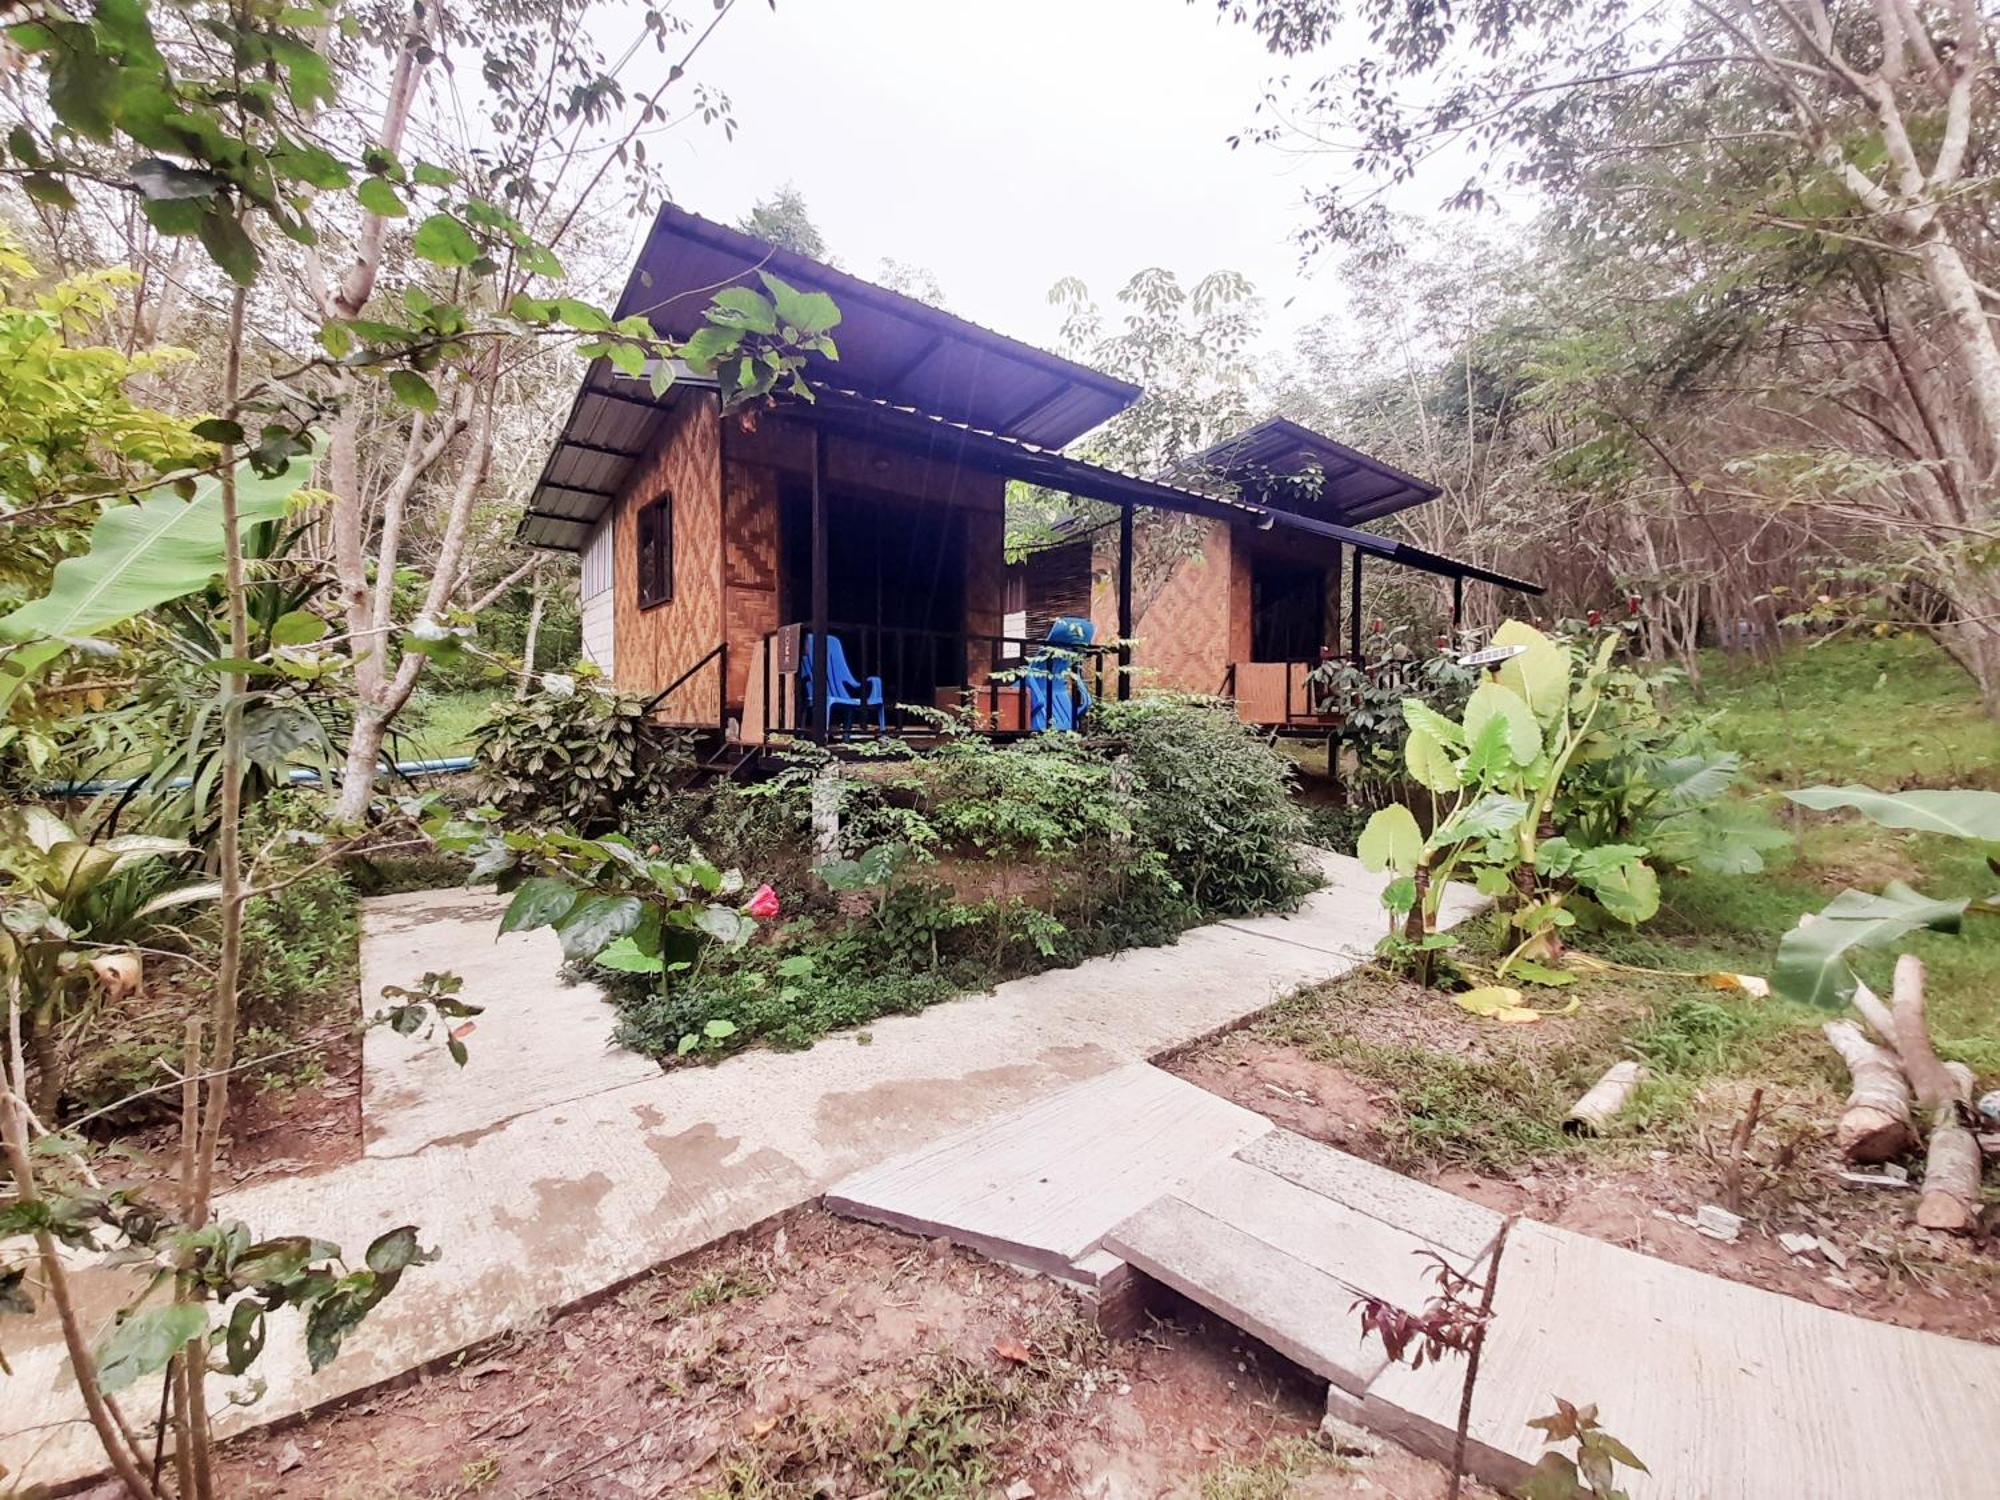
[[981, 678], [1285, 694], [720, 656]]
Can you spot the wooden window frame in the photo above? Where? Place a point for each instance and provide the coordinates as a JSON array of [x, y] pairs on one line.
[[659, 589]]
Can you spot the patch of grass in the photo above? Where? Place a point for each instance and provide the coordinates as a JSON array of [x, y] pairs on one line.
[[442, 724], [1272, 1475], [1895, 712], [945, 1436], [717, 1289]]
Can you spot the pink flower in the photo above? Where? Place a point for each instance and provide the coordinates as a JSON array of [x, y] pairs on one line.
[[1593, 618], [764, 904], [1631, 604]]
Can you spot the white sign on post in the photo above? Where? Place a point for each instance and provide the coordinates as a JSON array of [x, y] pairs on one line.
[[1492, 656]]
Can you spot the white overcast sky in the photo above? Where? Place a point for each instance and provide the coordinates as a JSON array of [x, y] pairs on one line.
[[1004, 144]]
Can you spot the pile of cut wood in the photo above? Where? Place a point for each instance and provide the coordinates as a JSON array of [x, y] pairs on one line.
[[1899, 1087]]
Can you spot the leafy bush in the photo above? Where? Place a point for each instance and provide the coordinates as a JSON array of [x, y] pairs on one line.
[[574, 757], [1213, 799], [968, 864]]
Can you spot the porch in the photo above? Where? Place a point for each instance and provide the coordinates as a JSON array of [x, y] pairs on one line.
[[879, 530]]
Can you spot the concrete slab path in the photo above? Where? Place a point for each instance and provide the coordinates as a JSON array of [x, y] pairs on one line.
[[553, 1168], [1725, 1391]]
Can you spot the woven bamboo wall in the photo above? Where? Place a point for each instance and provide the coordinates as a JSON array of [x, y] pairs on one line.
[[654, 646]]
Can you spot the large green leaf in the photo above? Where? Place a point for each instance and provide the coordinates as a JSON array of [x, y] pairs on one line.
[[539, 900], [1490, 817], [1540, 674], [1962, 814], [1429, 762], [1420, 715], [144, 554], [1391, 841], [1629, 891], [1492, 700], [587, 927], [1812, 960], [145, 1341]]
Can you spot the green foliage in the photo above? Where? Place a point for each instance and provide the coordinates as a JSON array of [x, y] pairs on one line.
[[1842, 710], [61, 895], [70, 432], [608, 903], [575, 756], [968, 864], [1212, 798], [159, 548], [1592, 1474], [301, 931], [1813, 958]]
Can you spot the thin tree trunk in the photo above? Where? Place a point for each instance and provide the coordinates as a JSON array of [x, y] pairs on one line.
[[533, 638]]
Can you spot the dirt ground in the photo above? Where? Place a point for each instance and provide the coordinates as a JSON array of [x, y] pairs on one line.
[[301, 1115], [1878, 1266], [820, 1357]]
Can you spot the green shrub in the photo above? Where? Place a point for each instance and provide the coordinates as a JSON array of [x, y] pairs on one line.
[[965, 865], [302, 934], [575, 758], [1213, 799]]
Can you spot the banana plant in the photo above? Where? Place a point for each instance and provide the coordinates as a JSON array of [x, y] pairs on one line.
[[1502, 764], [1813, 962]]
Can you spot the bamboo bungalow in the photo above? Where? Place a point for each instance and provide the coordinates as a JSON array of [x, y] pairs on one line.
[[718, 547]]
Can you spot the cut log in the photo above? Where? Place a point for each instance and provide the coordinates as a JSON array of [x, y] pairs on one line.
[[1876, 1014], [1594, 1112], [1876, 1124], [1950, 1200], [1932, 1083]]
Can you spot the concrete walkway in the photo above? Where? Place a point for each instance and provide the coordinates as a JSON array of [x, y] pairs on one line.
[[1726, 1391], [555, 1167]]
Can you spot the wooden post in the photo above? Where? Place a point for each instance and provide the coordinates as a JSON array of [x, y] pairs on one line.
[[1332, 641], [822, 710], [1354, 609], [1457, 603], [1125, 602]]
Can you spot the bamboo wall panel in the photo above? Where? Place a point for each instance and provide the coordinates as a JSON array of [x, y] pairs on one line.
[[654, 646], [750, 568]]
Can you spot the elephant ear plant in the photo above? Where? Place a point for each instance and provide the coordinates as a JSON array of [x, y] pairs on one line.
[[1493, 775]]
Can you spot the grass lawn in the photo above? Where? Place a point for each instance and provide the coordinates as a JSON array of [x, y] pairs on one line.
[[1891, 713], [1446, 1095], [442, 724]]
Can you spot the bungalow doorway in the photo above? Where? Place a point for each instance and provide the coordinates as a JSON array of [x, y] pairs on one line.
[[895, 586], [1287, 611]]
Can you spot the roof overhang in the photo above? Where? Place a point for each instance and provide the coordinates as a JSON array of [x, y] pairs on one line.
[[940, 439], [1278, 459], [584, 473], [891, 345], [613, 423]]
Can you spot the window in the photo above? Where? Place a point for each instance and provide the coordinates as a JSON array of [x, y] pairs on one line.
[[656, 553]]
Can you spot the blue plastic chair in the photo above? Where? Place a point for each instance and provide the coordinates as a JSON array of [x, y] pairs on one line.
[[1057, 697], [842, 686]]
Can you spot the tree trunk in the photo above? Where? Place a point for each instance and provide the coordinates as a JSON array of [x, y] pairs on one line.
[[1875, 1126], [533, 638], [1951, 1168], [364, 757]]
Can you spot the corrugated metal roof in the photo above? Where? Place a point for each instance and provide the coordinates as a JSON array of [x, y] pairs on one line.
[[612, 422], [1347, 484], [891, 345], [937, 437]]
